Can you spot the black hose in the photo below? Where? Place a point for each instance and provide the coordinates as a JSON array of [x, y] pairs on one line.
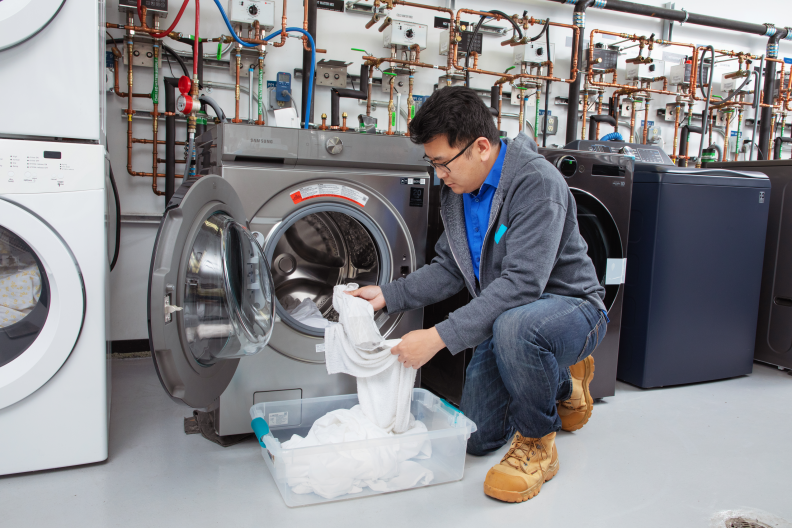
[[704, 116], [475, 32], [494, 96], [171, 85], [309, 84], [178, 58], [779, 141], [216, 107], [600, 118], [547, 86], [684, 132], [766, 117], [337, 93], [117, 200]]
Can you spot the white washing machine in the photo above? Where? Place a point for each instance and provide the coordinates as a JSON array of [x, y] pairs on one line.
[[51, 52], [321, 208], [54, 398]]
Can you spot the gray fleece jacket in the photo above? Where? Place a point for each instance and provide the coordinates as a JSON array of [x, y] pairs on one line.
[[532, 246]]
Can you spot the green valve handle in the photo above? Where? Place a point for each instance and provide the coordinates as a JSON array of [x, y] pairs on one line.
[[507, 69], [361, 51], [389, 73], [393, 119], [521, 87], [220, 49]]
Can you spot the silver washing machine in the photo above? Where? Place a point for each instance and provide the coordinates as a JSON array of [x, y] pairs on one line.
[[326, 208]]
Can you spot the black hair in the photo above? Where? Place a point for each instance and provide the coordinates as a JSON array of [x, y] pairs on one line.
[[456, 112]]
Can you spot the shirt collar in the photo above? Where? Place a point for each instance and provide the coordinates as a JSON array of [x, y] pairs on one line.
[[493, 178]]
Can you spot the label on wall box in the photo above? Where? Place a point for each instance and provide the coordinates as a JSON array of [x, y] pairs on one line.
[[328, 190], [331, 5], [616, 271]]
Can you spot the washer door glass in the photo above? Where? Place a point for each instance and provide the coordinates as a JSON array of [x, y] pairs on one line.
[[316, 249], [227, 292], [602, 236], [24, 296]]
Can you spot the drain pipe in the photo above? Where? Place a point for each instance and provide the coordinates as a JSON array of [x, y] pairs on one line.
[[579, 19], [766, 119]]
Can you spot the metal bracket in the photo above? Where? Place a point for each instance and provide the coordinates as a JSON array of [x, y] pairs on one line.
[[332, 73]]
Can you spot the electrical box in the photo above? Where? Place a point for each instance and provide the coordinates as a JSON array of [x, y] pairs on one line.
[[248, 11], [159, 7], [405, 34], [333, 73], [248, 59], [533, 53], [625, 108], [645, 72], [731, 84], [552, 125], [401, 84], [680, 74], [527, 93], [476, 46], [670, 111], [142, 53], [604, 59]]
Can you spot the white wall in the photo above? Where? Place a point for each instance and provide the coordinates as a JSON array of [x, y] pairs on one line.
[[338, 32]]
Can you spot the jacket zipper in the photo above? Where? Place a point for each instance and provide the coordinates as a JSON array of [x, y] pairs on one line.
[[451, 247], [484, 242]]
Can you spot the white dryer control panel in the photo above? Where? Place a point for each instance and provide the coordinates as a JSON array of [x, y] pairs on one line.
[[44, 167]]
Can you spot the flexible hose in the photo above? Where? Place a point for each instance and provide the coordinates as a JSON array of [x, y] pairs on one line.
[[613, 136], [231, 28], [704, 118], [718, 149], [216, 107], [117, 200], [475, 32], [175, 21], [188, 164]]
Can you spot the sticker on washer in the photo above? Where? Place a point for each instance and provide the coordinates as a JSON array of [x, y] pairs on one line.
[[616, 271], [281, 418], [413, 181], [333, 190], [320, 348]]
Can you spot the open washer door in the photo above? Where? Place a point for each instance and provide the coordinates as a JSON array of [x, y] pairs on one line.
[[211, 296]]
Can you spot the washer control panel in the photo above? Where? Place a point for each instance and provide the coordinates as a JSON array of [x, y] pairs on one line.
[[41, 167]]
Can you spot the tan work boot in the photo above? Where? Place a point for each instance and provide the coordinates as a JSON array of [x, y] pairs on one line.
[[576, 411], [529, 463]]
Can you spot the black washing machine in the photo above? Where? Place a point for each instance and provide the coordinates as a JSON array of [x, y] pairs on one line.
[[601, 184], [774, 327]]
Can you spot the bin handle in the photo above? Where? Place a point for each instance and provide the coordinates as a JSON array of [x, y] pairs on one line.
[[261, 429]]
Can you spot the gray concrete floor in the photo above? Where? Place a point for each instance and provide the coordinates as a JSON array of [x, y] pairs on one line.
[[667, 457]]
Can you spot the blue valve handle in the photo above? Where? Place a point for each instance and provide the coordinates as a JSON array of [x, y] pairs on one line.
[[261, 429]]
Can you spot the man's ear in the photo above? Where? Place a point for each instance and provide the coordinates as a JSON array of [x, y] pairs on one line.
[[484, 148]]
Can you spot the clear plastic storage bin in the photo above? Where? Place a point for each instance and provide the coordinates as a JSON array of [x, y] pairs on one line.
[[446, 439]]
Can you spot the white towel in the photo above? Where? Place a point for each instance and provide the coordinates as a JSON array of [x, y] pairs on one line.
[[308, 313], [20, 290], [355, 346], [333, 473]]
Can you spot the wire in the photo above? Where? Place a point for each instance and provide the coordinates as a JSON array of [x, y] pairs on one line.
[[172, 53], [117, 200], [294, 103], [475, 32]]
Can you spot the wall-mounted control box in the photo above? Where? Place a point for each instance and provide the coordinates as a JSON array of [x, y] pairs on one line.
[[248, 11], [405, 34], [533, 53], [644, 72]]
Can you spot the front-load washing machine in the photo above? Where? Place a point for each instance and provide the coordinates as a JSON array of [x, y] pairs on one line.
[[326, 208], [601, 185], [54, 400]]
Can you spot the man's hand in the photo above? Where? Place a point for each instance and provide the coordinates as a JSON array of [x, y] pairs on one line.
[[373, 294], [418, 347]]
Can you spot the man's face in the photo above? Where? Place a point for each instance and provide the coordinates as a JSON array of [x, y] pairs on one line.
[[467, 172]]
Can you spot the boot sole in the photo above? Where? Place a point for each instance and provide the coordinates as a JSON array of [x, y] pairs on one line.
[[521, 496], [590, 368]]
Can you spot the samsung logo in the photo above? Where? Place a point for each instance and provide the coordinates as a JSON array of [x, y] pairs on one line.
[[257, 140]]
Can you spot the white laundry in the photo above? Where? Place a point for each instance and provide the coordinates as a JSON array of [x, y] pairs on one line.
[[307, 313], [355, 346], [337, 472], [20, 290]]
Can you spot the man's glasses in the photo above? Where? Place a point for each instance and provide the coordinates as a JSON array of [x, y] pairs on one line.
[[444, 166]]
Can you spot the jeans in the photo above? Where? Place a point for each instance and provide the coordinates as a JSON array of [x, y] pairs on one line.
[[516, 377]]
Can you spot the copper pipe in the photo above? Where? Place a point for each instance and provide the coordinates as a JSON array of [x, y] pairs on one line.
[[129, 111], [726, 139], [737, 139], [385, 24], [377, 61], [410, 103], [238, 56], [451, 27], [632, 123], [475, 59], [599, 111], [306, 47], [391, 109], [323, 126], [522, 110], [676, 134], [283, 26], [116, 81], [585, 110], [344, 128], [159, 141], [154, 130], [500, 105], [374, 20], [646, 121], [175, 35]]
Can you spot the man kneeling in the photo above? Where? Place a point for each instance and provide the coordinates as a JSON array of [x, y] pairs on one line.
[[511, 238]]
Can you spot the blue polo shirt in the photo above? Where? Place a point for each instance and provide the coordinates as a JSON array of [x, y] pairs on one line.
[[477, 209]]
